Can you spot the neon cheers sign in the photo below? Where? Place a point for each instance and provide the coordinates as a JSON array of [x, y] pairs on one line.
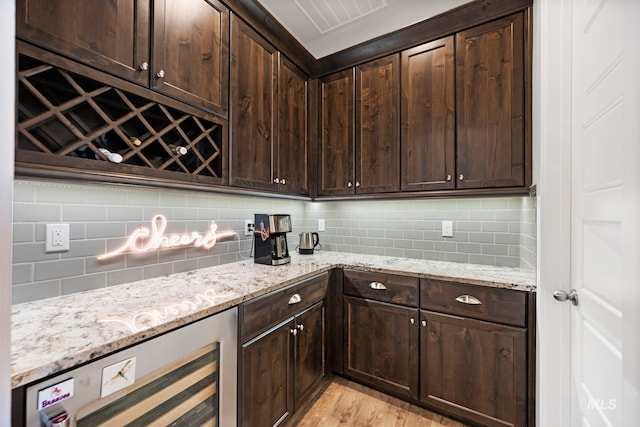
[[145, 240]]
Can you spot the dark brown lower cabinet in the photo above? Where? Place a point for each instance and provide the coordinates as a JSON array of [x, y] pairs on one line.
[[381, 345], [475, 369], [310, 344], [265, 380], [282, 367], [466, 350]]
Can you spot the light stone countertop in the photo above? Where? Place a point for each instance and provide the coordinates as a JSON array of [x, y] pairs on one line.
[[55, 334]]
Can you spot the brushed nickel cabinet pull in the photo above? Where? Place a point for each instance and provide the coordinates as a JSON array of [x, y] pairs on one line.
[[461, 177], [276, 180], [301, 328], [378, 286], [413, 320], [283, 181], [468, 299], [295, 298], [294, 332], [424, 323], [349, 184], [144, 66], [448, 177], [160, 74]]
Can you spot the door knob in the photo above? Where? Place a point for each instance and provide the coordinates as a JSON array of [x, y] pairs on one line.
[[561, 296]]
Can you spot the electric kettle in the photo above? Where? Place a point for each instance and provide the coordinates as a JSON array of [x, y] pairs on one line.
[[308, 242]]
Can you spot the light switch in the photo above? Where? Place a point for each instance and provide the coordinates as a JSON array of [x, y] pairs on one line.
[[447, 228]]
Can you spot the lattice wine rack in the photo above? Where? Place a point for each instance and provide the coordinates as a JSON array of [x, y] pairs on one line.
[[67, 121]]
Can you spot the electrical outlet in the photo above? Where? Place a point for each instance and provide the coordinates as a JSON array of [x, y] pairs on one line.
[[57, 237], [447, 228], [249, 227], [321, 225]]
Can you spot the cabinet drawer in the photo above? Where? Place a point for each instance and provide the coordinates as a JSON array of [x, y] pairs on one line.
[[382, 287], [493, 304], [258, 315]]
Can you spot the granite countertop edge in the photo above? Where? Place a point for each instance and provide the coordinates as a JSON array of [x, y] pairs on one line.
[[56, 334]]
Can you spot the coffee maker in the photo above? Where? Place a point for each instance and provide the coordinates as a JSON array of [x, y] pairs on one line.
[[270, 239]]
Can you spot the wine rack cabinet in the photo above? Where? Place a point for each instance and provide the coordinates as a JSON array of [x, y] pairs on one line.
[[70, 117]]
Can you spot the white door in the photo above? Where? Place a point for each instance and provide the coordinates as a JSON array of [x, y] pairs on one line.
[[604, 213]]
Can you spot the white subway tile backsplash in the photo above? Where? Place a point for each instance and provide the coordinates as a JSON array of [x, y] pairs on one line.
[[495, 231], [482, 259], [60, 193], [35, 291], [23, 233], [22, 273], [457, 215], [495, 227], [57, 269], [491, 249], [118, 277], [31, 212], [109, 195], [97, 230], [125, 213], [31, 252], [469, 248], [456, 257], [77, 213], [82, 283], [157, 270], [445, 246]]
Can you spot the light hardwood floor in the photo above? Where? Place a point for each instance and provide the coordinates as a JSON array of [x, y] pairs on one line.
[[345, 403]]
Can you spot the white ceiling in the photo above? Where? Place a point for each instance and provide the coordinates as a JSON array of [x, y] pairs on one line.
[[328, 26]]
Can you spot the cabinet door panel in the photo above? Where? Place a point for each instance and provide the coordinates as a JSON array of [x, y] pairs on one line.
[[381, 345], [310, 352], [292, 130], [428, 117], [110, 35], [335, 170], [490, 104], [254, 80], [266, 396], [475, 369], [190, 45], [377, 125]]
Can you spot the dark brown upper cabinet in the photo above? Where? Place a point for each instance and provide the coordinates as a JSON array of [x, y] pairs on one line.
[[254, 91], [292, 129], [191, 52], [490, 105], [377, 131], [268, 116], [428, 117], [188, 58], [336, 151], [359, 148], [112, 36]]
